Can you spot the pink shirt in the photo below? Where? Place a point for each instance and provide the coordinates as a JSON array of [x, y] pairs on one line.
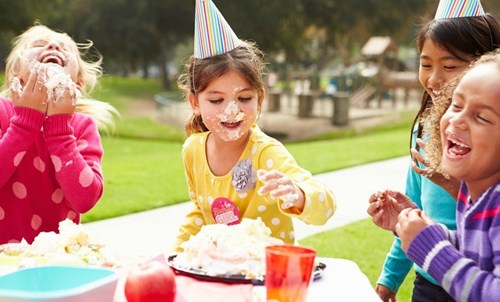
[[50, 170]]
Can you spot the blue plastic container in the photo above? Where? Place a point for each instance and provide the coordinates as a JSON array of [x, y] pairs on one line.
[[58, 284]]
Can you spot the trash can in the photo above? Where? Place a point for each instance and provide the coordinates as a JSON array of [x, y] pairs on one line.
[[274, 101], [305, 105], [341, 108]]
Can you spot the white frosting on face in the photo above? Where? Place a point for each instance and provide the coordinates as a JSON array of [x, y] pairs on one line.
[[231, 114], [234, 135], [56, 80]]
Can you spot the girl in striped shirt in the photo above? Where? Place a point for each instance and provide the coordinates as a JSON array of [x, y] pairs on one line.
[[465, 262]]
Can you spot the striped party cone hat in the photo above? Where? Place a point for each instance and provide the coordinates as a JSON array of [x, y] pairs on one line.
[[212, 34], [459, 8]]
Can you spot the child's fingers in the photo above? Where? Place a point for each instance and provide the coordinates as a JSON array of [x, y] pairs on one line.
[[377, 217], [373, 209], [282, 190], [16, 89], [268, 187], [417, 156], [261, 173], [416, 168], [265, 176], [421, 143], [41, 77], [426, 218], [32, 80]]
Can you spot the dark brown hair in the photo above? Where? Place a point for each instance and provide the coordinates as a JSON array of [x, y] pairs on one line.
[[246, 59]]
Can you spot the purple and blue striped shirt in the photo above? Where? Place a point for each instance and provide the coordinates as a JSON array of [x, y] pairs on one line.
[[465, 262]]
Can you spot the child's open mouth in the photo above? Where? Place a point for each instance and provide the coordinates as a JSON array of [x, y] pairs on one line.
[[53, 58], [435, 94], [456, 148], [231, 125]]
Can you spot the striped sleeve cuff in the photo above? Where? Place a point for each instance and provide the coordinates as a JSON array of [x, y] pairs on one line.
[[426, 244]]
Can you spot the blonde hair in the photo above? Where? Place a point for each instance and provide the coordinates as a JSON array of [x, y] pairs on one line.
[[88, 73], [431, 126], [246, 59]]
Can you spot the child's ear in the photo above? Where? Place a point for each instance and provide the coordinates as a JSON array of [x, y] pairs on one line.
[[194, 103], [262, 97]]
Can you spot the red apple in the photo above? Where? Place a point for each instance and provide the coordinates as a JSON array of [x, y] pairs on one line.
[[150, 281]]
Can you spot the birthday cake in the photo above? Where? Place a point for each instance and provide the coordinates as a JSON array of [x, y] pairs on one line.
[[220, 249], [72, 245]]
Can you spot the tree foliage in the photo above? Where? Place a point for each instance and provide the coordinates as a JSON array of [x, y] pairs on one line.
[[134, 35]]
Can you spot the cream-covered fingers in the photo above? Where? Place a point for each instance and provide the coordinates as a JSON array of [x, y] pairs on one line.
[[32, 95], [64, 104], [279, 185]]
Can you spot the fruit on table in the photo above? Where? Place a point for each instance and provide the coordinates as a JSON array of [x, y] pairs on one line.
[[150, 281]]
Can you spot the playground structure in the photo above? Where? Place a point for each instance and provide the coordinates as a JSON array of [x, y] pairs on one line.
[[378, 76], [387, 73]]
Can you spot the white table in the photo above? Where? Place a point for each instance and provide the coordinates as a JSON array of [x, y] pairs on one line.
[[342, 280]]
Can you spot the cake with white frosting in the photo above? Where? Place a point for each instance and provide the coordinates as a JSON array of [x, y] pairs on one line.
[[72, 245], [220, 249]]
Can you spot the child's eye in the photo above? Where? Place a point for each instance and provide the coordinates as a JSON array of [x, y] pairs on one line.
[[38, 44], [483, 118], [245, 99], [450, 67], [425, 65], [455, 107], [217, 101]]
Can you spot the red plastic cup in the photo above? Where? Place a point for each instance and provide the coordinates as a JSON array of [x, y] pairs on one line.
[[289, 270]]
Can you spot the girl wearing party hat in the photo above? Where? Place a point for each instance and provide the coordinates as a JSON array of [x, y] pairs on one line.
[[460, 32], [233, 169]]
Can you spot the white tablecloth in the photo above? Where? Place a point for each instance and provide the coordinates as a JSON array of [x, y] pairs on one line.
[[341, 281]]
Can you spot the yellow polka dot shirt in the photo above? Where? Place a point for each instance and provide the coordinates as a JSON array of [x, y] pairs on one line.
[[262, 152]]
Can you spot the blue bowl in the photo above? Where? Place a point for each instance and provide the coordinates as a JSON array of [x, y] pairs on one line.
[[59, 283]]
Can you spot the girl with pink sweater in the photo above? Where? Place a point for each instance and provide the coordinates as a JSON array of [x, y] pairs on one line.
[[50, 163]]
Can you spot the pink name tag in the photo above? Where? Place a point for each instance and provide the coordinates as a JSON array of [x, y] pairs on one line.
[[224, 211]]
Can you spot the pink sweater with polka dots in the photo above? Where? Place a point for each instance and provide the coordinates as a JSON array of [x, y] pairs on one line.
[[50, 170]]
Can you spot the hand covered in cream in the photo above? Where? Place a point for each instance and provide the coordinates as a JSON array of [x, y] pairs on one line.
[[279, 185], [48, 89]]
